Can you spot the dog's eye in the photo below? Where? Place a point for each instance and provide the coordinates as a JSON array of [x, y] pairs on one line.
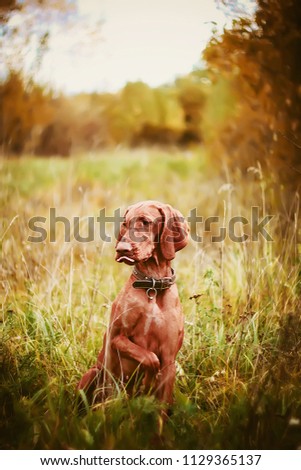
[[146, 223]]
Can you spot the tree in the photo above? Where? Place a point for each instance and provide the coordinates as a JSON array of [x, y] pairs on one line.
[[260, 60], [25, 30], [24, 106], [192, 97]]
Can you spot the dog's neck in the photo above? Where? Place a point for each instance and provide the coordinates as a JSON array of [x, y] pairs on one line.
[[155, 267]]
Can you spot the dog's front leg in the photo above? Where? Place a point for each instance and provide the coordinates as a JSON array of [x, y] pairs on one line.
[[131, 350], [165, 382]]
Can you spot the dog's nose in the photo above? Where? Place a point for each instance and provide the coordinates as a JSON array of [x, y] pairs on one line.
[[123, 247]]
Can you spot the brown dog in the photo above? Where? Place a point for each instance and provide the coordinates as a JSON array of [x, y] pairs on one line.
[[145, 331]]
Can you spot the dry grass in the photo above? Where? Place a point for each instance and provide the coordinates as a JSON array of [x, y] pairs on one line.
[[239, 369]]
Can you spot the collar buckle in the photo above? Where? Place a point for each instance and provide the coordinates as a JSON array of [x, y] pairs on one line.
[[151, 284]]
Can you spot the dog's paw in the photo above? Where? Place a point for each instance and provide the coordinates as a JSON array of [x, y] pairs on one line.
[[151, 361]]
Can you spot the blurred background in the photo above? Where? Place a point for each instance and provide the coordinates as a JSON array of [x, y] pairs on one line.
[[82, 76]]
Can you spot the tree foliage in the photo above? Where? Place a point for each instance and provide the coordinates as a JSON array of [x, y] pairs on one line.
[[25, 109], [260, 60], [41, 122], [25, 31]]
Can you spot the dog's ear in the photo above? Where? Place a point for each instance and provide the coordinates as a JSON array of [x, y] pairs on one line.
[[174, 233]]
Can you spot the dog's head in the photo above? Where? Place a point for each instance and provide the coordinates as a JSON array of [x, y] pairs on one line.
[[149, 229]]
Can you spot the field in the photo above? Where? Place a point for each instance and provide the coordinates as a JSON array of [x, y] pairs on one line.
[[239, 370]]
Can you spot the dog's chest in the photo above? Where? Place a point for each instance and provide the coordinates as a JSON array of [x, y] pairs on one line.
[[153, 318], [142, 317]]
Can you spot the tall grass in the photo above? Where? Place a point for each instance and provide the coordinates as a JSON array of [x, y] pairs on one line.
[[238, 382]]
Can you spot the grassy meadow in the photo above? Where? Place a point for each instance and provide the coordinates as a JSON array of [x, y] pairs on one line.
[[239, 370]]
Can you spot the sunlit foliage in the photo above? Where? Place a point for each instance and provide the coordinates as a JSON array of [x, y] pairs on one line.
[[260, 60]]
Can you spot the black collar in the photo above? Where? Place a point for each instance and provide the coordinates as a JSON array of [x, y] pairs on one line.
[[145, 282]]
